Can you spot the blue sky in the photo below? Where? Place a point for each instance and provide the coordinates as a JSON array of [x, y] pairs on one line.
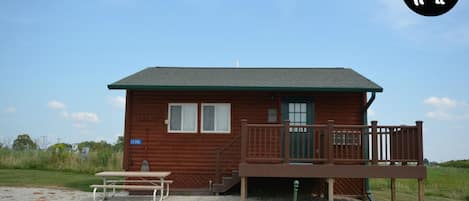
[[56, 58]]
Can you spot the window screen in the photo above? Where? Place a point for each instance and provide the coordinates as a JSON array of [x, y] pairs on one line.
[[216, 117], [182, 117]]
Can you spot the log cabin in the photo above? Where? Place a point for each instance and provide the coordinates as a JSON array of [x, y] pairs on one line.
[[215, 128]]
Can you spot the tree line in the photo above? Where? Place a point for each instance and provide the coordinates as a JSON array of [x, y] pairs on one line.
[[24, 142]]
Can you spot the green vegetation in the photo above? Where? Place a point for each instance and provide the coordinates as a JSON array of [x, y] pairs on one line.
[[456, 164], [90, 157], [42, 178], [442, 184], [94, 162], [59, 165]]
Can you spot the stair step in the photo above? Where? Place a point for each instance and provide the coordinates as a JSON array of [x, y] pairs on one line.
[[227, 182], [235, 173]]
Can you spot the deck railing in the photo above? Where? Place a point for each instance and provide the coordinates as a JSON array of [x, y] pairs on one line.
[[331, 143]]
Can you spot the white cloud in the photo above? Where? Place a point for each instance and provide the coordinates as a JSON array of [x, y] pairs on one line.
[[78, 119], [444, 108], [10, 109], [56, 105], [85, 117], [117, 101], [443, 102], [371, 112]]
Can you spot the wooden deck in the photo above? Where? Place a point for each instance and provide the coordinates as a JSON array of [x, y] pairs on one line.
[[332, 151], [345, 151], [331, 171]]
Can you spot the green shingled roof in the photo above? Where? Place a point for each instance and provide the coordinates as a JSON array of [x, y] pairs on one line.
[[275, 79]]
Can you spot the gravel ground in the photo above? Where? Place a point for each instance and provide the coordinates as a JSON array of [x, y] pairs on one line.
[[50, 194], [60, 194]]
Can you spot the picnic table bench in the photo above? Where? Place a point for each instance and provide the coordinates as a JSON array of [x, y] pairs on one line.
[[143, 182]]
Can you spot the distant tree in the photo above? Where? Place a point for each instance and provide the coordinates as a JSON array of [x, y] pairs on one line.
[[426, 161], [434, 163], [24, 142], [60, 147], [95, 146], [119, 146], [456, 163], [1, 145]]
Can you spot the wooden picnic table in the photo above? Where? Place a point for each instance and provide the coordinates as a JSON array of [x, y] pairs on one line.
[[142, 178]]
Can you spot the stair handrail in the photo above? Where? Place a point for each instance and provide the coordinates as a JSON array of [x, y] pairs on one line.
[[219, 152]]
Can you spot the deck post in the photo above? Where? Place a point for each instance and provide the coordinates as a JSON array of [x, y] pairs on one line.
[[419, 142], [244, 139], [374, 142], [287, 141], [330, 142], [393, 189], [243, 189], [421, 190], [330, 189]]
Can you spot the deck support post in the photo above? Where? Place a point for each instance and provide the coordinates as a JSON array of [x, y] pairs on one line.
[[421, 190], [243, 189], [393, 189], [330, 189]]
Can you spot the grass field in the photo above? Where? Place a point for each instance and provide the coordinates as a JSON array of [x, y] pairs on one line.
[[442, 184], [47, 178]]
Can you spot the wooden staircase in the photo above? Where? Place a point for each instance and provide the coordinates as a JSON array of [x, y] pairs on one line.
[[227, 182]]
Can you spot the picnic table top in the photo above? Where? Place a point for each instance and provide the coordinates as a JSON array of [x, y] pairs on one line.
[[133, 174]]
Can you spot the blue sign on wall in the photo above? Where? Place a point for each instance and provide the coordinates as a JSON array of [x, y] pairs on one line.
[[135, 141]]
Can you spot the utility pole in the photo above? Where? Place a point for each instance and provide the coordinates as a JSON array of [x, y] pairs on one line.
[[44, 142]]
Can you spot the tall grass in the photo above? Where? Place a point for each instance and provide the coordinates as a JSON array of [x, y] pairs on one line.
[[65, 161]]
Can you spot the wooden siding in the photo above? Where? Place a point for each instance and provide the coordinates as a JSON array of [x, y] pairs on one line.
[[191, 157]]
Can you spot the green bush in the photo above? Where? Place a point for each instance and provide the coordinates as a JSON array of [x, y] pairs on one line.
[[456, 164]]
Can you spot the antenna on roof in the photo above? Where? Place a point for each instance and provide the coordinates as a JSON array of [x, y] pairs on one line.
[[237, 63]]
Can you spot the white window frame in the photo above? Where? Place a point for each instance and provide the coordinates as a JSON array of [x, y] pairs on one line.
[[182, 118], [215, 123]]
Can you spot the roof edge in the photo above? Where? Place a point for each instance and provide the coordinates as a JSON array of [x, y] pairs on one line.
[[241, 88]]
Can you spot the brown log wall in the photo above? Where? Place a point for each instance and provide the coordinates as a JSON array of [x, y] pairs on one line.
[[191, 157]]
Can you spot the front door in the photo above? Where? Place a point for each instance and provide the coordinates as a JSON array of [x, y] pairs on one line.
[[300, 112]]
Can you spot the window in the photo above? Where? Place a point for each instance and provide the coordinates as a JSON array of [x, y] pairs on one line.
[[297, 116], [216, 117], [182, 117]]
